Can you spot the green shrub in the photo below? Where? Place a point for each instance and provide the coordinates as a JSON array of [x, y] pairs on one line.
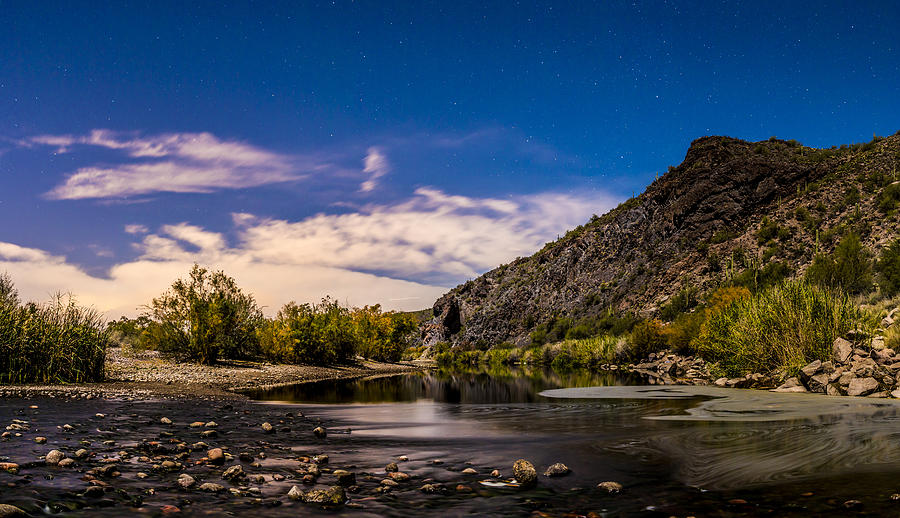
[[783, 327], [888, 267], [848, 268], [682, 302], [56, 342], [890, 198], [646, 337], [203, 318]]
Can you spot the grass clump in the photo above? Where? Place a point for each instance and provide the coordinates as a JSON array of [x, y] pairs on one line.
[[783, 327], [55, 342]]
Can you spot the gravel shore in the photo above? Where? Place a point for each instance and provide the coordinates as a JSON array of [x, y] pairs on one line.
[[137, 374]]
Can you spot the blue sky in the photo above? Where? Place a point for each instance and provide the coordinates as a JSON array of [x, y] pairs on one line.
[[382, 152]]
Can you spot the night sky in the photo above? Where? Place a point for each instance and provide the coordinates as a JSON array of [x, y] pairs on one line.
[[382, 152]]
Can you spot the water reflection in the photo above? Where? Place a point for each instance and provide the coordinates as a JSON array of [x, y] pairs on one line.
[[661, 442], [498, 384]]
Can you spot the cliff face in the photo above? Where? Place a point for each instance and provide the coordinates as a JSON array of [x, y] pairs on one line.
[[639, 254]]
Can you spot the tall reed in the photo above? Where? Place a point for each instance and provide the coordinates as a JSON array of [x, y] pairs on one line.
[[783, 327], [55, 342]]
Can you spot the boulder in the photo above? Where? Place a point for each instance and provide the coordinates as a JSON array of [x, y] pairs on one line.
[[524, 472], [790, 385], [862, 386], [818, 383], [846, 378], [833, 390], [841, 350], [810, 370], [864, 368]]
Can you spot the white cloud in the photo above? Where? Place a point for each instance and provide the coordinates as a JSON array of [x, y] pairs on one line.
[[136, 229], [376, 166], [175, 162], [403, 255]]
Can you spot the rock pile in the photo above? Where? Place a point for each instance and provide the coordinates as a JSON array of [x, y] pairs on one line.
[[670, 369], [851, 371]]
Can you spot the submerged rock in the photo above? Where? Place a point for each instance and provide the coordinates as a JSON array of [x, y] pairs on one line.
[[332, 496], [234, 473], [610, 486], [524, 472], [10, 511], [211, 487], [295, 493], [186, 481], [344, 477], [320, 432], [557, 470]]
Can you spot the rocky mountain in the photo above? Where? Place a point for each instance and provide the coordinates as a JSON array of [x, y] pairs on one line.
[[730, 208]]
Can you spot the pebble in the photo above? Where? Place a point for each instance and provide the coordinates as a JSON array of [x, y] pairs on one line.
[[211, 424], [402, 458], [267, 427], [462, 488], [320, 432], [495, 473], [165, 421], [389, 482], [40, 440], [392, 467], [196, 424], [215, 456], [65, 463], [81, 453], [852, 504], [469, 471], [295, 493]]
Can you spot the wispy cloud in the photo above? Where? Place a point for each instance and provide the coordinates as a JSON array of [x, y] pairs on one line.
[[174, 162], [403, 255], [376, 166]]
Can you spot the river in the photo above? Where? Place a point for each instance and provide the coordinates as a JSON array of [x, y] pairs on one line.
[[678, 451]]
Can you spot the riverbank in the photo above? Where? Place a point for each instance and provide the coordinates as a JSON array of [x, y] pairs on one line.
[[146, 374]]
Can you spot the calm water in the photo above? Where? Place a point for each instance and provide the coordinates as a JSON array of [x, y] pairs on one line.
[[677, 450]]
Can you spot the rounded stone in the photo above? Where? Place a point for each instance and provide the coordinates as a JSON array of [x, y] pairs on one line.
[[524, 472], [54, 457]]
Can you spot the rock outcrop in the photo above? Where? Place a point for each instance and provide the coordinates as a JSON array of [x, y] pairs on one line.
[[691, 225]]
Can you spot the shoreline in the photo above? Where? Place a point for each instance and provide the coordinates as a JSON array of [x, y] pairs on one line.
[[147, 375]]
